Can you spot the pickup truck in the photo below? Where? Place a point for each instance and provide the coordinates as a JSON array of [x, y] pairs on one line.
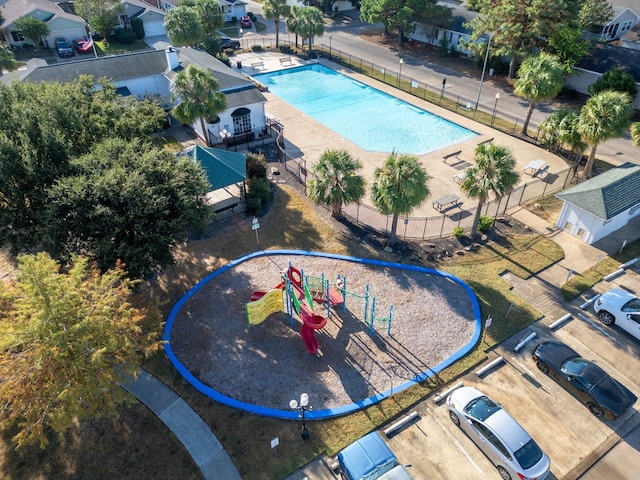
[[370, 459]]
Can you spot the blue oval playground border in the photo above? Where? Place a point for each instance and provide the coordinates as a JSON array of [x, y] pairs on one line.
[[330, 412]]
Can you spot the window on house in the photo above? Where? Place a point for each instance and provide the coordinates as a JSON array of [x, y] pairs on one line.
[[581, 233], [17, 37], [568, 226], [241, 121]]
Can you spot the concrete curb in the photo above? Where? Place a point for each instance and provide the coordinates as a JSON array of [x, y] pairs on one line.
[[205, 449]]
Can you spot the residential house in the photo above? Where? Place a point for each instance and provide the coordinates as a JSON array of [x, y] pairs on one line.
[[60, 19], [601, 58], [625, 17], [598, 207], [230, 8], [149, 73], [152, 17]]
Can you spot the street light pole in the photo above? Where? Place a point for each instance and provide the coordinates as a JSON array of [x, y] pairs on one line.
[[303, 406], [484, 66], [495, 106], [400, 74]]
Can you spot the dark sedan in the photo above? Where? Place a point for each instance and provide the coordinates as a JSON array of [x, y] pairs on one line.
[[602, 394]]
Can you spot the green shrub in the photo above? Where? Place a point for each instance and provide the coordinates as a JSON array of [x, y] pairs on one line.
[[285, 49], [458, 232], [259, 191], [256, 48], [137, 27], [252, 16], [223, 58], [125, 37], [485, 223], [256, 166]]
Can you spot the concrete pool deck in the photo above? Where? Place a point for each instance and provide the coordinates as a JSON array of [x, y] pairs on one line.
[[308, 138]]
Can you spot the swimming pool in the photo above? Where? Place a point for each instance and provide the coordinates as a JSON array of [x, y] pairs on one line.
[[363, 115]]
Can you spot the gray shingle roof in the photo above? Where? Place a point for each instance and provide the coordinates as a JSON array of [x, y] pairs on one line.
[[114, 68], [608, 194]]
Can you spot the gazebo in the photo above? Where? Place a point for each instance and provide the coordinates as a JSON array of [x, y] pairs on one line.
[[226, 172]]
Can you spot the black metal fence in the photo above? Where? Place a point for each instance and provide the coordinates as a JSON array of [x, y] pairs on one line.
[[442, 224]]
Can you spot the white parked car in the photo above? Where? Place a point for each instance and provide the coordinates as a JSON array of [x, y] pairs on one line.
[[621, 308], [509, 447]]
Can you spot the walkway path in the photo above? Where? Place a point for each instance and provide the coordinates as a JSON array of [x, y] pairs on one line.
[[207, 452]]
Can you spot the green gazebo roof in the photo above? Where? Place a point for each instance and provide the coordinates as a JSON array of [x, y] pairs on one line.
[[223, 167]]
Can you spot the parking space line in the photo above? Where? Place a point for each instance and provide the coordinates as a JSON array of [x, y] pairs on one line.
[[600, 329], [458, 444]]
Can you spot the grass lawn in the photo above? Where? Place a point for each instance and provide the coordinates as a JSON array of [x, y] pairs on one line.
[[138, 446], [247, 437], [111, 47]]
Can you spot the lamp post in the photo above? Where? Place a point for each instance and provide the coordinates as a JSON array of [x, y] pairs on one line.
[[303, 406], [495, 106], [400, 74], [241, 32], [484, 66]]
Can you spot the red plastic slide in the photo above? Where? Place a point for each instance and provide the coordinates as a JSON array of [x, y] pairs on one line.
[[310, 323], [308, 335]]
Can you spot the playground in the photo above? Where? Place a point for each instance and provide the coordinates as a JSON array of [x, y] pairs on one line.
[[422, 321]]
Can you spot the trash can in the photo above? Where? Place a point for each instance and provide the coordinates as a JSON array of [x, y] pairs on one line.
[[239, 64]]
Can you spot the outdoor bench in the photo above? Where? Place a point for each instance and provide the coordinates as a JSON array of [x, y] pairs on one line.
[[454, 154], [286, 61], [257, 64]]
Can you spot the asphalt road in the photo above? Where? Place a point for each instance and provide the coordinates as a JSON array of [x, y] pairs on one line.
[[346, 38]]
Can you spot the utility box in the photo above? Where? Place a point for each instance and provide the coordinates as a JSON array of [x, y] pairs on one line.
[[370, 459]]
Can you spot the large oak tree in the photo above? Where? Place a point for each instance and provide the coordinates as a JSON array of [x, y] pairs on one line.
[[66, 339]]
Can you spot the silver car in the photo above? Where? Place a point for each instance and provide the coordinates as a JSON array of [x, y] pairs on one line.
[[621, 308], [509, 447]]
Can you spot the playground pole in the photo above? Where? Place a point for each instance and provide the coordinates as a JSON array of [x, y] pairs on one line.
[[390, 320], [373, 315], [328, 298], [366, 302], [344, 294]]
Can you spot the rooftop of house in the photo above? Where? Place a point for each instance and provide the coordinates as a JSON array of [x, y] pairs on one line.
[[603, 57], [607, 194], [15, 9]]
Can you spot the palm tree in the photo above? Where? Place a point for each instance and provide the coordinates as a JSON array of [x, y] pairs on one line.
[[8, 61], [199, 95], [336, 181], [540, 77], [273, 10], [398, 187], [310, 24], [568, 134], [493, 173], [605, 115], [559, 129], [293, 21], [635, 134]]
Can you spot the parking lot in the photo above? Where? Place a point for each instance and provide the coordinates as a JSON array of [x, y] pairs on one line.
[[563, 427], [578, 444]]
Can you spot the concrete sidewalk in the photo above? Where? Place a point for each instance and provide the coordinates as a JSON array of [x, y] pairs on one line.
[[205, 449]]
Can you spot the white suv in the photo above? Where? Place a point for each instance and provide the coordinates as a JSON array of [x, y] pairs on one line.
[[621, 308]]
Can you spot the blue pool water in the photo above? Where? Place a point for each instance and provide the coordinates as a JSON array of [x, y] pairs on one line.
[[364, 115]]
